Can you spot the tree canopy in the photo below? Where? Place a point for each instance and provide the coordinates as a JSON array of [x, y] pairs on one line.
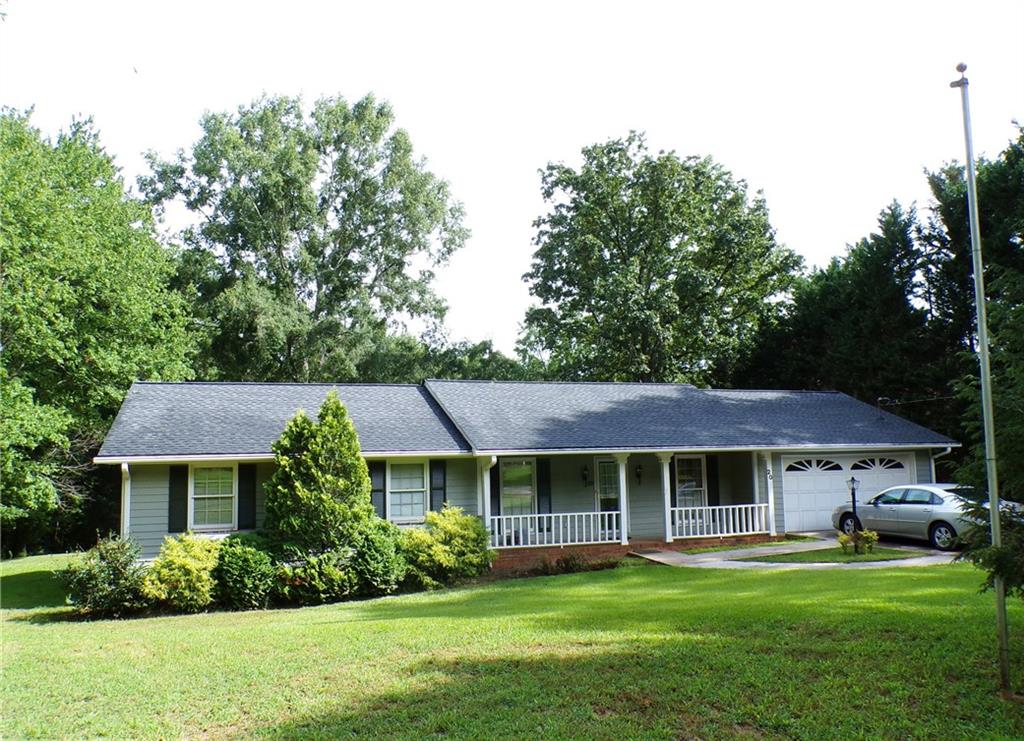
[[649, 267], [315, 233]]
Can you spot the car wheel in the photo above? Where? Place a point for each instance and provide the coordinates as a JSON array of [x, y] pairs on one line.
[[848, 524], [942, 536]]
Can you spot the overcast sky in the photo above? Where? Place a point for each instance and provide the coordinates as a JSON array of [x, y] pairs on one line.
[[831, 110]]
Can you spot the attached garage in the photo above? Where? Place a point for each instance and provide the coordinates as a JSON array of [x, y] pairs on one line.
[[814, 485]]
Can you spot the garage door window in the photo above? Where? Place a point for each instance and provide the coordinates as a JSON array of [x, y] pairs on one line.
[[871, 464], [813, 464]]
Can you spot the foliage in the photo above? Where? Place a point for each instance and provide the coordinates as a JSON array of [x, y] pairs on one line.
[[649, 267], [408, 359], [862, 541], [319, 494], [377, 560], [108, 580], [451, 546], [319, 579], [85, 304], [245, 576], [975, 542], [181, 577], [306, 228]]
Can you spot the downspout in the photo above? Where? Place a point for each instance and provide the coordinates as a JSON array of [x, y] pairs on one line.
[[935, 456]]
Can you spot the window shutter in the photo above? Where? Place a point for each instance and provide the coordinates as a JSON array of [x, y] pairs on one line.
[[177, 499], [543, 486], [378, 476], [438, 482], [672, 481], [712, 464], [246, 496], [495, 491]]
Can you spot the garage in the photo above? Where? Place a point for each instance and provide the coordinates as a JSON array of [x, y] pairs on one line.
[[814, 485]]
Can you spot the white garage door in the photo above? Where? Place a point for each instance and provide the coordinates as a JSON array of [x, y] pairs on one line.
[[813, 486]]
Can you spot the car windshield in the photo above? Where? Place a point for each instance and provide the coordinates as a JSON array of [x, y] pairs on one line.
[[966, 492]]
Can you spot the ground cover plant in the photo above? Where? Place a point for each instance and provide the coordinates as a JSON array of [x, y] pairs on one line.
[[634, 652], [836, 555]]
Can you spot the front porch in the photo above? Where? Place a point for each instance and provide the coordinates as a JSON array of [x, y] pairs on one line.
[[563, 500]]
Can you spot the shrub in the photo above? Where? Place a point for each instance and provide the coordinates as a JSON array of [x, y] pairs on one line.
[[377, 560], [107, 580], [245, 575], [322, 578], [452, 546], [572, 563], [181, 577], [862, 541]]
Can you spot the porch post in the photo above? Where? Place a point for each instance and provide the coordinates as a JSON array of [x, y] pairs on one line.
[[622, 459], [770, 491], [485, 466], [126, 499], [666, 491]]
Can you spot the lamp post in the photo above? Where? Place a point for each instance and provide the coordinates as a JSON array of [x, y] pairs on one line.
[[988, 424], [852, 485]]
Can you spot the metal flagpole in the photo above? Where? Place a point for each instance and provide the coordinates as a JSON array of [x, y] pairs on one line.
[[986, 383]]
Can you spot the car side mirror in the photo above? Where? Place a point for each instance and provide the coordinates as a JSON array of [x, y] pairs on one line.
[[874, 502]]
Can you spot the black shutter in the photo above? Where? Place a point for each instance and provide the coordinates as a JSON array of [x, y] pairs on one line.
[[438, 482], [712, 464], [495, 492], [672, 480], [246, 496], [177, 499], [543, 486], [378, 474]]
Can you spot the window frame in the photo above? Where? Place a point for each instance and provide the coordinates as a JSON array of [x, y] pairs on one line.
[[704, 474], [192, 526], [598, 460], [501, 483], [388, 490]]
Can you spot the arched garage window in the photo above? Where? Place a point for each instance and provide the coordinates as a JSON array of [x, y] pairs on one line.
[[872, 464], [813, 464]]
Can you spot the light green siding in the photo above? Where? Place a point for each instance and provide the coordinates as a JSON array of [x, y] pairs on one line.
[[646, 500], [460, 484], [147, 511], [923, 461], [735, 479]]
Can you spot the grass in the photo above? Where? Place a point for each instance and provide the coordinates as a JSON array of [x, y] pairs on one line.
[[636, 652], [715, 548], [836, 555]]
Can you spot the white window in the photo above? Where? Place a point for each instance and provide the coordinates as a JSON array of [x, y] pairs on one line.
[[691, 481], [518, 486], [212, 504], [407, 492], [607, 485]]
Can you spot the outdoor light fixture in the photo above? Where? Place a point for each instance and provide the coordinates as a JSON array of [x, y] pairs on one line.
[[852, 485], [639, 473], [586, 476]]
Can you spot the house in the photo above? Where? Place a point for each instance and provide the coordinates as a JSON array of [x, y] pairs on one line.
[[545, 465]]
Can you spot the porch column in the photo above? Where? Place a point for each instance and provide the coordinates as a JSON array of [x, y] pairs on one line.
[[622, 459], [484, 471], [126, 498], [666, 491], [770, 491]]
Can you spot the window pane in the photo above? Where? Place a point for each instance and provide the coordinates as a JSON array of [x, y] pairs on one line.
[[917, 496], [407, 476], [608, 486], [690, 482], [212, 481], [517, 475], [408, 505], [212, 510]]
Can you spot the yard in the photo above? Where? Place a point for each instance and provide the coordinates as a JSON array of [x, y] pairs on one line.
[[641, 651]]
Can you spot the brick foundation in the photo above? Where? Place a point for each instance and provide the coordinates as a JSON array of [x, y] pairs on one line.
[[522, 559]]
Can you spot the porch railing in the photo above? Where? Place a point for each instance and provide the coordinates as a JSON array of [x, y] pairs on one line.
[[733, 519], [572, 528]]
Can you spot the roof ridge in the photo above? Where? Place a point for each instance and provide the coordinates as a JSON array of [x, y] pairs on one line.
[[274, 383]]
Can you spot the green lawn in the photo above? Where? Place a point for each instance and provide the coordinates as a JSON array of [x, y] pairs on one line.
[[836, 555], [732, 547], [636, 652]]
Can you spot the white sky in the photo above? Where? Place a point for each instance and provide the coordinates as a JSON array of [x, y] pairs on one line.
[[831, 110]]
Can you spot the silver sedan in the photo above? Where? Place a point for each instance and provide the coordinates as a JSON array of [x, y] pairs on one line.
[[930, 512]]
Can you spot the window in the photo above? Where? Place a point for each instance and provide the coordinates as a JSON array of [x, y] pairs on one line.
[[890, 497], [213, 497], [407, 490], [868, 464], [607, 486], [518, 486], [918, 496], [813, 464], [691, 482]]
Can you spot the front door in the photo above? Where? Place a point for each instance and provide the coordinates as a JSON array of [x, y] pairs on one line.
[[607, 486]]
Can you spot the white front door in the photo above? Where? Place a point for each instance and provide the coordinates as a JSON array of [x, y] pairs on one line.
[[815, 484], [607, 485]]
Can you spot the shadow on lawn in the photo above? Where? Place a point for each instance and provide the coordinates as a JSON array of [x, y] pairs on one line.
[[28, 590]]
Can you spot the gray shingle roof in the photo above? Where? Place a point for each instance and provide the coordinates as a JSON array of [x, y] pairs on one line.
[[164, 419], [558, 416]]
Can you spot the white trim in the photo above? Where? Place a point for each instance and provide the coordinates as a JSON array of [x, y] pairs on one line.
[[425, 463], [234, 497], [501, 483], [126, 499], [769, 476], [934, 456], [665, 459], [704, 474], [484, 466], [786, 459], [622, 459]]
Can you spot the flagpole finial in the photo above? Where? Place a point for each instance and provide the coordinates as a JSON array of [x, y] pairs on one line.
[[961, 68]]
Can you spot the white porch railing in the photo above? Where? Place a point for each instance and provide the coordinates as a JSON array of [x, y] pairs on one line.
[[573, 528], [733, 519]]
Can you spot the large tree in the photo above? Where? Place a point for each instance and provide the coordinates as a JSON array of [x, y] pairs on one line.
[[314, 234], [86, 310], [649, 267]]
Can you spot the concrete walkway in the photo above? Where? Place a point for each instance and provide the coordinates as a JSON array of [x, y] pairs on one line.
[[730, 559]]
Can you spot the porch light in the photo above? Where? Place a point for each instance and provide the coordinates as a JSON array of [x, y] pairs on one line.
[[852, 484], [639, 473], [586, 476]]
